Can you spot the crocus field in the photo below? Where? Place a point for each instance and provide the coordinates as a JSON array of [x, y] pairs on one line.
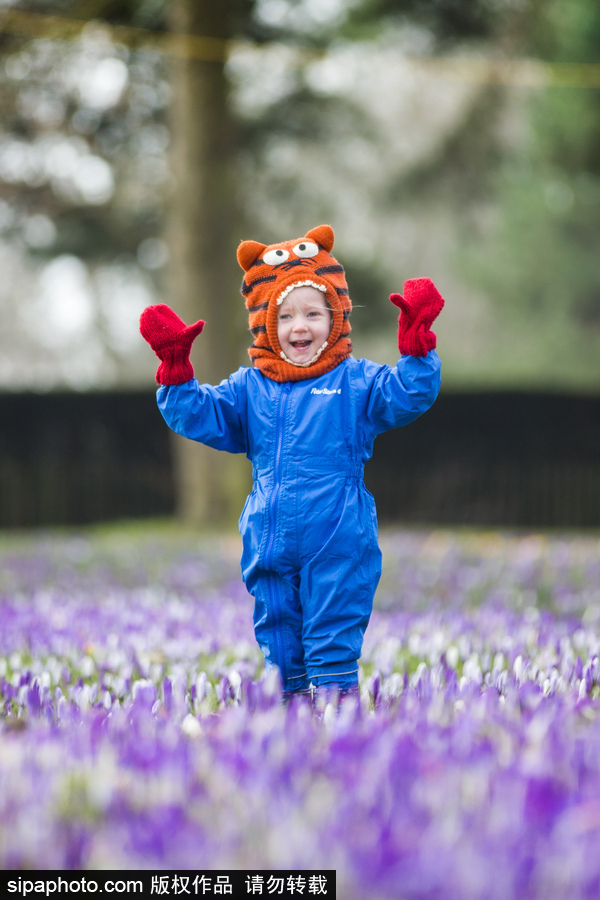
[[138, 729]]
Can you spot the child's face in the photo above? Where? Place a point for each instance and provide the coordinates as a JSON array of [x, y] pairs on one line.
[[303, 323]]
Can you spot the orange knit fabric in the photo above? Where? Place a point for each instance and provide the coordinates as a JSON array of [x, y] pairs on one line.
[[270, 271]]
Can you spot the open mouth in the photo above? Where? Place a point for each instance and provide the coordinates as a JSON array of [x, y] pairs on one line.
[[300, 345]]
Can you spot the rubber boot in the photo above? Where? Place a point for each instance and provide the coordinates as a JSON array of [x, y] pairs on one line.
[[296, 696]]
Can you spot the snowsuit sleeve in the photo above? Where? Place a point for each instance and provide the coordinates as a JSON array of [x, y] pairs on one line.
[[401, 394], [212, 414]]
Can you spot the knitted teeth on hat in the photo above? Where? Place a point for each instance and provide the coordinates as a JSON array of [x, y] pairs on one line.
[[297, 284], [270, 274]]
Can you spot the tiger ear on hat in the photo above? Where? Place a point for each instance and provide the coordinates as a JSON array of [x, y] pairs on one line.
[[248, 252], [323, 235]]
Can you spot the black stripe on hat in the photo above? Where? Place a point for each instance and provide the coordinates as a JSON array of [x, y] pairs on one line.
[[329, 270], [262, 349], [258, 307], [247, 288]]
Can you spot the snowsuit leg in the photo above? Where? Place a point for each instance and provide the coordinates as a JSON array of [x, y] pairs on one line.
[[336, 611], [278, 625], [337, 587], [270, 573]]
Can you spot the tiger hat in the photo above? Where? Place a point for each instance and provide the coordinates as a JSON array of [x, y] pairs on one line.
[[270, 274]]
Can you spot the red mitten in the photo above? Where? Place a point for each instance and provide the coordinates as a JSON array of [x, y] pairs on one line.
[[419, 306], [171, 339]]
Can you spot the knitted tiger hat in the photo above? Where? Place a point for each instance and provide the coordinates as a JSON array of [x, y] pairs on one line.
[[270, 273]]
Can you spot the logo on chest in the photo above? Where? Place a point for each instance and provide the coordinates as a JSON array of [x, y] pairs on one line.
[[326, 391]]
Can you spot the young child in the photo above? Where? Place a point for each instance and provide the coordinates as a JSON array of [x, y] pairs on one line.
[[306, 415]]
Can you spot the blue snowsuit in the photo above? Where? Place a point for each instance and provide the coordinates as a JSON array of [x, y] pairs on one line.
[[309, 528]]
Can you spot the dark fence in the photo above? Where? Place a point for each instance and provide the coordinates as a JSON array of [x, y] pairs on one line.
[[505, 459], [491, 459], [69, 459]]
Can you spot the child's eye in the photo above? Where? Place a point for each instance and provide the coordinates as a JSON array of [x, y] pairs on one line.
[[276, 257], [306, 248]]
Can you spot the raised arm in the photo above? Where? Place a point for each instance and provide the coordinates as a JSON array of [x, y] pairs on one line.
[[399, 395], [213, 415]]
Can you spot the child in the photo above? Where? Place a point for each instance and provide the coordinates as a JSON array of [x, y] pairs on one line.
[[306, 416]]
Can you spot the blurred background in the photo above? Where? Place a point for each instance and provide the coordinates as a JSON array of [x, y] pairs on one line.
[[141, 140]]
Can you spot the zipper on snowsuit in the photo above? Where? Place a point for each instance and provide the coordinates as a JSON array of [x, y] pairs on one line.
[[273, 509]]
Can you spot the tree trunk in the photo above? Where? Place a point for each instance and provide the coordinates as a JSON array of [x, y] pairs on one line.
[[203, 275]]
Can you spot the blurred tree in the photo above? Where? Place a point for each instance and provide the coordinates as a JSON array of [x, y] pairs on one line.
[[536, 256], [202, 233], [83, 175]]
